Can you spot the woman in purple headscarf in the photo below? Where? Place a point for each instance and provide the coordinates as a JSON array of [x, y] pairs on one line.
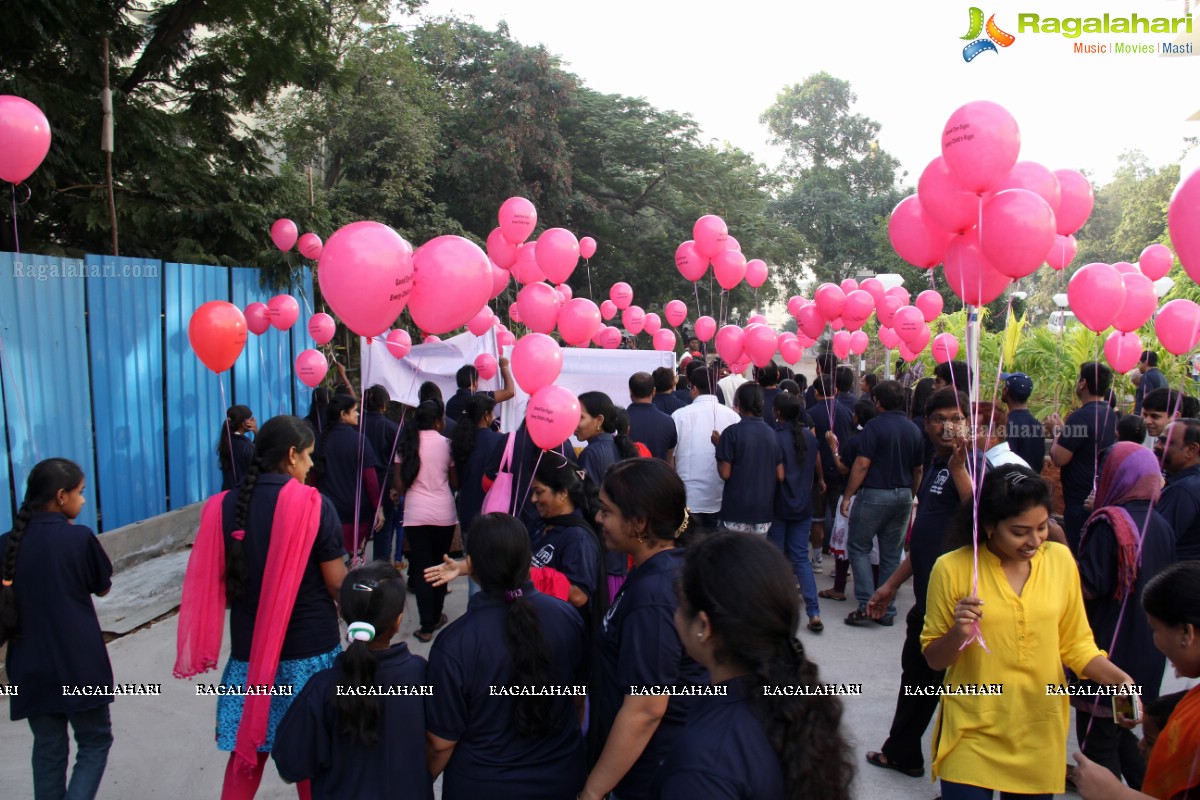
[[1124, 544]]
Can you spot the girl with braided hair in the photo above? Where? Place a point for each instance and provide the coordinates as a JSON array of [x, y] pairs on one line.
[[49, 570], [273, 551]]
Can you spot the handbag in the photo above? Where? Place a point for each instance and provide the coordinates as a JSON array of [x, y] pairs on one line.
[[498, 499]]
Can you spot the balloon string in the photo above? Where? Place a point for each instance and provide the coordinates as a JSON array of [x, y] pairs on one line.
[[973, 466], [356, 556], [279, 356], [262, 359], [587, 262], [228, 433], [696, 288], [4, 361], [16, 236]]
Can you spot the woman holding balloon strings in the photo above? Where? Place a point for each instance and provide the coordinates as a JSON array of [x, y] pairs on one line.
[[234, 448], [349, 474], [603, 447], [1028, 608]]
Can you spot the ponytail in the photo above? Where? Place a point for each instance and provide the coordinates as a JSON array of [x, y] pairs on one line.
[[9, 612], [409, 445], [625, 445], [787, 409]]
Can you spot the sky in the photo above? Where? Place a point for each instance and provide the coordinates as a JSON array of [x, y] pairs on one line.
[[725, 62]]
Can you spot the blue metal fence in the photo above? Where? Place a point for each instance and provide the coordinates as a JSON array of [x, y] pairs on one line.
[[96, 366]]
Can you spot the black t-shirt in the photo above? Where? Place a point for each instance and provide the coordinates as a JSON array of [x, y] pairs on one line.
[[59, 567], [893, 443], [1027, 438], [793, 496], [313, 628], [1179, 505], [938, 505], [309, 744], [243, 454], [842, 429], [753, 452], [667, 403], [652, 428], [340, 450], [1089, 429], [470, 656]]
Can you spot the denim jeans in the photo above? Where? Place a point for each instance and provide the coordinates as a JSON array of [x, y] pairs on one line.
[[965, 791], [791, 537], [392, 533], [51, 749], [883, 513]]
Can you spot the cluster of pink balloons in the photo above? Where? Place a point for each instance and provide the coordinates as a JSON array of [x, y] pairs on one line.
[[712, 244], [284, 235], [24, 138]]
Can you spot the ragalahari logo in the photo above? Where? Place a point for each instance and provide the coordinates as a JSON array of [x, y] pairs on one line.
[[994, 37]]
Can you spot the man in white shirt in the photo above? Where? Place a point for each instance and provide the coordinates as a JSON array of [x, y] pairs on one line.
[[695, 453], [729, 383], [991, 430]]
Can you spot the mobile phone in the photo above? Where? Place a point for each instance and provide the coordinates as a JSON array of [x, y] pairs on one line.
[[1129, 705]]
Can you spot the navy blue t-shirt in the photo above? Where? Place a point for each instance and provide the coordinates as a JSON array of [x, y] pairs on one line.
[[313, 628], [793, 496], [571, 549], [810, 397], [243, 454], [470, 656], [1089, 429], [1152, 379], [919, 421], [684, 396], [309, 743], [723, 752], [652, 428], [59, 567], [842, 429], [381, 433], [469, 499], [768, 412], [598, 455], [938, 506], [848, 400], [524, 459], [895, 448], [1179, 505], [751, 448], [667, 403], [340, 450], [639, 646], [1027, 438]]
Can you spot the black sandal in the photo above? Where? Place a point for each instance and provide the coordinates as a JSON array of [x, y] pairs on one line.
[[817, 626], [880, 760], [858, 618]]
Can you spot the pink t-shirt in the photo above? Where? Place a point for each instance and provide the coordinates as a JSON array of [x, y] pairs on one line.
[[429, 500]]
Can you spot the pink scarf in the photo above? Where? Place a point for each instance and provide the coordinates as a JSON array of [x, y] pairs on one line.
[[1130, 473], [202, 609]]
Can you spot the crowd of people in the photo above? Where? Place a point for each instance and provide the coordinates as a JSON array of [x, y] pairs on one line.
[[633, 613]]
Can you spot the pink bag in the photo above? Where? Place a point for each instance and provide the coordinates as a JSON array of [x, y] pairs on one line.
[[499, 497]]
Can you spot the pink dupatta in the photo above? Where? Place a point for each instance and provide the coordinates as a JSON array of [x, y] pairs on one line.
[[202, 609]]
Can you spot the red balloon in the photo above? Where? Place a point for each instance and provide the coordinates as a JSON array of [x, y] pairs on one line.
[[945, 347], [579, 321], [888, 338], [311, 367], [283, 311], [970, 276], [258, 318], [675, 312], [634, 319], [705, 328], [859, 342], [499, 280], [621, 294], [321, 328], [841, 344], [536, 362], [980, 143], [730, 343], [914, 238], [944, 200], [664, 340], [310, 246], [608, 310], [366, 276], [486, 366], [1017, 232], [217, 332], [795, 303], [1077, 201]]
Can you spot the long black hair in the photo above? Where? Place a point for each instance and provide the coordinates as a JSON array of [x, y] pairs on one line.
[[408, 449], [498, 545], [625, 446], [649, 490], [45, 481], [316, 411], [1008, 491], [748, 592], [275, 440], [598, 404], [466, 428], [787, 409], [375, 594], [1173, 595], [235, 418]]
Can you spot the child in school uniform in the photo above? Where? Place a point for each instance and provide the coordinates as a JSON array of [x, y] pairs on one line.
[[235, 450], [50, 570], [349, 474], [357, 730]]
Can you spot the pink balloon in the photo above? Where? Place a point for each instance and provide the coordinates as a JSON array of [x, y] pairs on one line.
[[1034, 177], [431, 339], [311, 367], [945, 347], [634, 319], [738, 367], [710, 234], [558, 254], [675, 312], [499, 280], [786, 336], [792, 351], [805, 341], [399, 343], [731, 343], [284, 311], [1178, 325], [848, 285], [689, 262], [971, 277], [482, 322], [729, 267], [538, 307], [609, 338], [587, 247], [756, 272], [526, 269], [795, 303], [366, 276], [980, 143], [1096, 294], [652, 324], [873, 287], [283, 234], [1017, 232], [841, 344], [608, 310], [914, 237], [1077, 201], [664, 340], [501, 250], [485, 365], [1123, 350], [857, 309], [930, 303], [859, 342], [733, 244], [908, 355], [900, 293], [760, 343], [829, 300], [565, 290], [1183, 223], [921, 341], [885, 312], [621, 294], [907, 323], [25, 134], [810, 321], [552, 416], [1062, 252], [888, 338], [517, 219], [258, 318], [1156, 261], [579, 321], [452, 279], [536, 362], [837, 324], [321, 328], [310, 246], [505, 338], [217, 334], [944, 201], [514, 313], [1125, 268], [705, 328], [756, 319]]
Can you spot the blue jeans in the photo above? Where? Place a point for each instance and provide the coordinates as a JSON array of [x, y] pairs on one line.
[[883, 513], [965, 791], [51, 748], [392, 533], [791, 537]]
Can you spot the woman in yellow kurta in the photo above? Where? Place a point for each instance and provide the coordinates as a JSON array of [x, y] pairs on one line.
[[1003, 721]]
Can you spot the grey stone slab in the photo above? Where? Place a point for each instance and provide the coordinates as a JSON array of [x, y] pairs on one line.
[[142, 593]]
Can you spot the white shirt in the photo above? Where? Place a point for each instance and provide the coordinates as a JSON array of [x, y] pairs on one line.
[[1001, 455], [695, 455], [729, 386]]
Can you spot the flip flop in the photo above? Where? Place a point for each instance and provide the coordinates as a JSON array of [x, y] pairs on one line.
[[880, 760], [817, 626]]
